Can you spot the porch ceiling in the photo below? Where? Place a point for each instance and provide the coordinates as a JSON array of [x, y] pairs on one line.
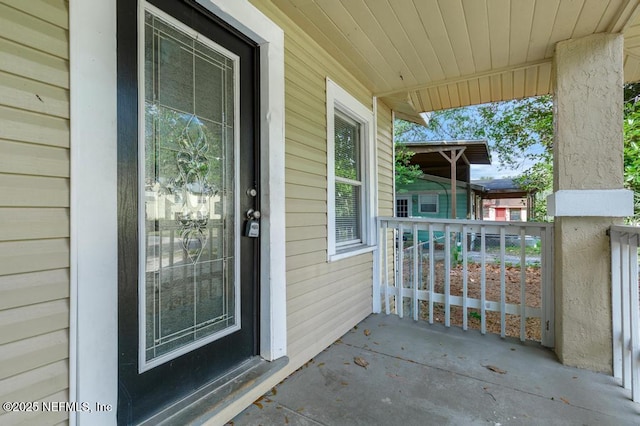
[[425, 55]]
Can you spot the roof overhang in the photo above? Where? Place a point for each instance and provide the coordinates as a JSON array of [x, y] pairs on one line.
[[425, 55], [474, 151]]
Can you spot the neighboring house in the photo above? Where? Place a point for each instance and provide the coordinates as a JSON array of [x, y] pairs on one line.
[[434, 194], [504, 200], [189, 189], [430, 197]]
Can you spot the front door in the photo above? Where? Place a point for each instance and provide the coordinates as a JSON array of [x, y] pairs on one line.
[[188, 182]]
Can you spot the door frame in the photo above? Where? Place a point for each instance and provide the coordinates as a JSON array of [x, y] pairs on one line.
[[94, 180]]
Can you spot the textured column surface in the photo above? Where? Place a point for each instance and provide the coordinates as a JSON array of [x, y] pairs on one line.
[[587, 155]]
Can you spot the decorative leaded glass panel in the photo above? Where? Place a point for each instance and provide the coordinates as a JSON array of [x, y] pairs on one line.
[[190, 285]]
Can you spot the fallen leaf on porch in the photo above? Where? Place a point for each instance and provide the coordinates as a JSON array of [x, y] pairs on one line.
[[361, 362], [376, 343], [566, 401], [300, 410], [321, 364], [274, 391], [257, 404], [344, 383], [286, 420], [346, 363], [495, 369]]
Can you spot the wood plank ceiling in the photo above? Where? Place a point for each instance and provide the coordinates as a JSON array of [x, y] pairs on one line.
[[425, 55]]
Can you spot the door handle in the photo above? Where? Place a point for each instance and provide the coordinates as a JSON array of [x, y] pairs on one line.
[[253, 214]]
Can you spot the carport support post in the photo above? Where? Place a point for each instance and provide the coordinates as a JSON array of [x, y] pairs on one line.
[[453, 157], [587, 195]]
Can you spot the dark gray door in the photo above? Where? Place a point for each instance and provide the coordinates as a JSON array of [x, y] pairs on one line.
[[187, 145]]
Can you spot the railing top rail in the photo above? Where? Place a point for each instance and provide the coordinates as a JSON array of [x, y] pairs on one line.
[[466, 222], [625, 229]]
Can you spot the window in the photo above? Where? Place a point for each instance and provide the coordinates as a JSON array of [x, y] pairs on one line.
[[428, 203], [514, 215], [350, 167], [402, 207]]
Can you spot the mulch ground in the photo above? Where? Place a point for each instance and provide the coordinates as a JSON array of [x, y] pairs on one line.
[[512, 293]]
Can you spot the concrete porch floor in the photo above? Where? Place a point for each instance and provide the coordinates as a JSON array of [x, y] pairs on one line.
[[429, 375]]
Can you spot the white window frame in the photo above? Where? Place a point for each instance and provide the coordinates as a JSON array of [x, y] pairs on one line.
[[431, 194], [340, 100]]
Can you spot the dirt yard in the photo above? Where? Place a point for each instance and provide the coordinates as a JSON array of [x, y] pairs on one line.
[[512, 291]]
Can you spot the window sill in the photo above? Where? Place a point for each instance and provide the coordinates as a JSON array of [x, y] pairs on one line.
[[355, 251]]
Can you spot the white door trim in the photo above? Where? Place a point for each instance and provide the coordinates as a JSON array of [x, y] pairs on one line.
[[94, 224]]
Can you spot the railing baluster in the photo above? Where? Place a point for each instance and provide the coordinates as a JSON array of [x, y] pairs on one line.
[[483, 280], [626, 310], [634, 319], [465, 278], [503, 325], [616, 302], [400, 280], [416, 276], [431, 273], [523, 285], [626, 321], [385, 251], [447, 276], [547, 301]]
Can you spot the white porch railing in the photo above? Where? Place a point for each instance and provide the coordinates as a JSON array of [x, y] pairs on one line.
[[624, 300], [418, 258]]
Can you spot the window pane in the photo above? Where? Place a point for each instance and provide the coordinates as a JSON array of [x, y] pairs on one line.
[[347, 214], [429, 203], [402, 208], [347, 148]]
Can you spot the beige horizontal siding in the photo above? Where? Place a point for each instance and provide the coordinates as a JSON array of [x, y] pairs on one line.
[[40, 417], [305, 192], [32, 320], [26, 126], [52, 11], [34, 32], [35, 287], [34, 206], [32, 191], [325, 299], [23, 93], [39, 66], [33, 223], [29, 159], [17, 257], [35, 384], [306, 232], [27, 354]]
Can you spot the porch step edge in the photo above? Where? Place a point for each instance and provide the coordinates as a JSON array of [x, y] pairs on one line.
[[205, 403]]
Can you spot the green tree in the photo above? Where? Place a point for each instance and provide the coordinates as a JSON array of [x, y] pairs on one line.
[[405, 172], [632, 145]]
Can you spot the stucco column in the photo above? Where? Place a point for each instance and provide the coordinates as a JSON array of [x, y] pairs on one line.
[[588, 195]]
